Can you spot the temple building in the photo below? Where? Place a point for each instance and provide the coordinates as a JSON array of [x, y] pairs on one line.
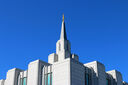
[[63, 68]]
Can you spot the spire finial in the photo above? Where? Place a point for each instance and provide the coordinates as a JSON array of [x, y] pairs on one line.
[[63, 17], [63, 31]]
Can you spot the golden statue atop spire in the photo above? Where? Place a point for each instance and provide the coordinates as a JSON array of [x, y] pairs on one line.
[[63, 17]]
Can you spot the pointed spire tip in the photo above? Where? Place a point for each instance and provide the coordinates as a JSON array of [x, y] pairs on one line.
[[63, 17], [63, 30]]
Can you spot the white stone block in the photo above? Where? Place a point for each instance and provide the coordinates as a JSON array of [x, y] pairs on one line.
[[12, 76], [117, 76], [99, 73]]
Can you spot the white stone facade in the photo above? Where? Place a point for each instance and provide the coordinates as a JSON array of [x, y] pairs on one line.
[[63, 68]]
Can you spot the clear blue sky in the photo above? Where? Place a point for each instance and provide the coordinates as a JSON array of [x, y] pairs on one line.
[[97, 30]]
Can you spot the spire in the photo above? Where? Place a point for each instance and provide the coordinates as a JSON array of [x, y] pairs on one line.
[[63, 31], [63, 47]]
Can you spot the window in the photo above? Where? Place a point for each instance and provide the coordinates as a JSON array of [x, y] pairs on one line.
[[48, 79], [87, 79], [23, 81], [56, 58], [108, 82], [59, 47]]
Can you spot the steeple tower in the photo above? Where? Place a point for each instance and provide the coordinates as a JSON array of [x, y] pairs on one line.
[[63, 45], [63, 48]]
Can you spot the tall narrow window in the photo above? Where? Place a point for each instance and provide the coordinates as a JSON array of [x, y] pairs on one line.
[[59, 47], [45, 82], [108, 82], [51, 79], [23, 81], [48, 79], [56, 58], [87, 79]]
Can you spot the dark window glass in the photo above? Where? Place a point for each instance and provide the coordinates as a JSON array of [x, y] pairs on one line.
[[87, 79], [48, 79], [55, 58], [23, 81], [108, 82]]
